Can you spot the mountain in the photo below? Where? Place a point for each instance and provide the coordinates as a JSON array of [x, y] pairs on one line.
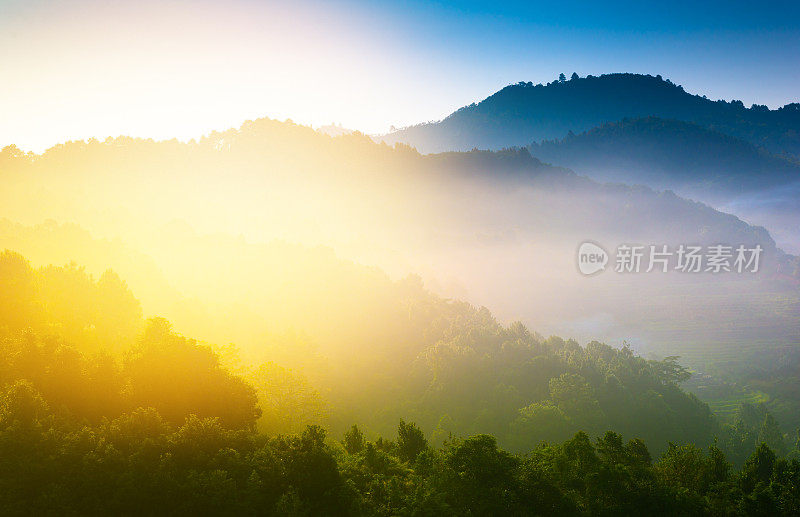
[[668, 154], [696, 162], [522, 113], [499, 229]]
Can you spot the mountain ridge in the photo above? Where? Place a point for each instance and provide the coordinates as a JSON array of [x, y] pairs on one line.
[[685, 151], [522, 113]]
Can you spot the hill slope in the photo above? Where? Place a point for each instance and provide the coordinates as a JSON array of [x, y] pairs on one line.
[[695, 162], [522, 113], [499, 229], [667, 154]]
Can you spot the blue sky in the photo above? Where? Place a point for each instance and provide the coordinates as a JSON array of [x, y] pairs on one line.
[[90, 68], [722, 49]]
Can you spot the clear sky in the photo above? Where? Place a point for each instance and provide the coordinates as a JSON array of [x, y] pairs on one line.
[[74, 69]]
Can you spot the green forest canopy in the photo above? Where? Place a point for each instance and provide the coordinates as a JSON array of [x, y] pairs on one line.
[[451, 368], [103, 412]]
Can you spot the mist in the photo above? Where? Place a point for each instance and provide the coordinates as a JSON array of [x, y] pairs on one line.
[[227, 220]]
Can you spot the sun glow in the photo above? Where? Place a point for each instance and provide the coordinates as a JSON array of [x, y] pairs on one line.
[[181, 69]]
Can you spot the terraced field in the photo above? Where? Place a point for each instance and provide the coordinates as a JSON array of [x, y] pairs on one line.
[[721, 328], [726, 408]]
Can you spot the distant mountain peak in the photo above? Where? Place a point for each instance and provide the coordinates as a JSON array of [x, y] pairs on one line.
[[525, 112]]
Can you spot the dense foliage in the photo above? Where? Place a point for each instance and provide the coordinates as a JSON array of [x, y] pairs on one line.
[[156, 423], [138, 463], [451, 368]]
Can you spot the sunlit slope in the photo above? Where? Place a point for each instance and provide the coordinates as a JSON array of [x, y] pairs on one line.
[[496, 228], [85, 346], [266, 298]]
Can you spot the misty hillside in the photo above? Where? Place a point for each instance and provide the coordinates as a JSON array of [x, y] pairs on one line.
[[168, 425], [283, 246], [524, 112], [669, 154], [498, 229], [265, 171], [729, 173]]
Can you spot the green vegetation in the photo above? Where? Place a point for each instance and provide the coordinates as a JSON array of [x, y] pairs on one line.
[[729, 407], [103, 412], [301, 365], [138, 463]]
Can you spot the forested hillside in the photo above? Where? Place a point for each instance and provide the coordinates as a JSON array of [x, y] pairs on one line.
[[729, 173], [522, 113], [670, 154], [104, 412], [449, 366], [288, 265], [498, 229], [226, 290]]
